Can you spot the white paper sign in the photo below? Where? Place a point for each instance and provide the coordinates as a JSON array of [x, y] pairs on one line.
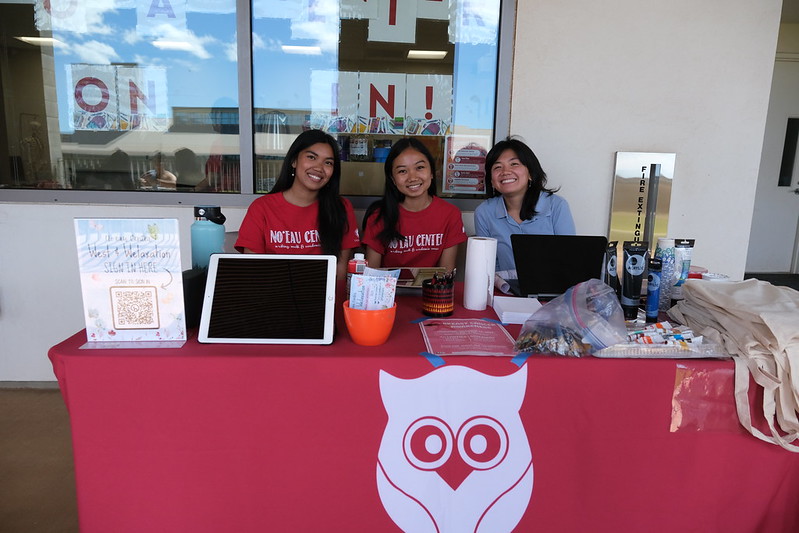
[[433, 9], [131, 279], [158, 18], [108, 97], [358, 9], [395, 22], [142, 96], [61, 15], [381, 103], [428, 104], [334, 100], [93, 102]]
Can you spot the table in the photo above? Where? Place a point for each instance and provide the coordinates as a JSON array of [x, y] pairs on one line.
[[210, 438]]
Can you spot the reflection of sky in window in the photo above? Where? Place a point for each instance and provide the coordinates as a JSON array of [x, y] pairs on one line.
[[201, 59], [282, 80], [475, 85]]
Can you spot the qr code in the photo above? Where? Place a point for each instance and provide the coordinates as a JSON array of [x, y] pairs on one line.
[[135, 307]]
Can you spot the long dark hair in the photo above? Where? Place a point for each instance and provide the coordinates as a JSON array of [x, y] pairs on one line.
[[529, 160], [332, 221], [387, 208]]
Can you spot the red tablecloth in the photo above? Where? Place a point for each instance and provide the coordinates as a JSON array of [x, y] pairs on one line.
[[287, 438]]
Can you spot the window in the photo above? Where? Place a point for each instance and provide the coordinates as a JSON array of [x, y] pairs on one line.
[[789, 153], [149, 96]]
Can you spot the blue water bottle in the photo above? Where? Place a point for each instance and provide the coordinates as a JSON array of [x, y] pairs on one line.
[[207, 234], [653, 289]]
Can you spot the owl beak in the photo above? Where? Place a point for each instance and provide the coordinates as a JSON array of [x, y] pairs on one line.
[[455, 471]]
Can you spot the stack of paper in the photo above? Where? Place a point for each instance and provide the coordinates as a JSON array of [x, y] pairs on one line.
[[512, 310]]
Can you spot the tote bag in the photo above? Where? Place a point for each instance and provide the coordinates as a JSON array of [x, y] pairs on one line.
[[758, 324]]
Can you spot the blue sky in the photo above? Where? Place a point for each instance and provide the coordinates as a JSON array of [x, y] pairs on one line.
[[200, 59]]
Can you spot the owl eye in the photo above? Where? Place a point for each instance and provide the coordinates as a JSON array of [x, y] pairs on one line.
[[482, 442], [427, 443]]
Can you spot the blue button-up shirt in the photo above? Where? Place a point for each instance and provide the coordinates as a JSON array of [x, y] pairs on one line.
[[491, 219]]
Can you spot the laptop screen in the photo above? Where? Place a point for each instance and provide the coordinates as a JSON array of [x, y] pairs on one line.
[[547, 265], [269, 299]]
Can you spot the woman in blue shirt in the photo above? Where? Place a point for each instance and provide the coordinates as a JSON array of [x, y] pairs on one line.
[[521, 204]]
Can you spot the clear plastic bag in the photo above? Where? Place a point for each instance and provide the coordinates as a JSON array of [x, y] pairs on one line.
[[586, 318]]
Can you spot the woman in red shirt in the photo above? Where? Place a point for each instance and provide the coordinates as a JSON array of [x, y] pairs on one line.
[[303, 213], [411, 226]]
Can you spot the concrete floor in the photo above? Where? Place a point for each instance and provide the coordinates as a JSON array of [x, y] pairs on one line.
[[37, 476]]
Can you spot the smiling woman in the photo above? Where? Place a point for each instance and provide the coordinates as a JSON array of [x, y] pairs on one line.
[[522, 203], [303, 214], [410, 226]]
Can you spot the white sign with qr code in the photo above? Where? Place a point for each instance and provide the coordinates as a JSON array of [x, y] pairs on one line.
[[131, 280], [134, 307]]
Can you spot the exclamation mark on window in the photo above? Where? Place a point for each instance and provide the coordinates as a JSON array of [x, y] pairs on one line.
[[428, 102]]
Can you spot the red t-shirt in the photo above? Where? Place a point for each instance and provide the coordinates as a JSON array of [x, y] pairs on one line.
[[427, 234], [274, 226]]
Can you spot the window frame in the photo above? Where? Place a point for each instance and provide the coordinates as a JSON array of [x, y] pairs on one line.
[[244, 198]]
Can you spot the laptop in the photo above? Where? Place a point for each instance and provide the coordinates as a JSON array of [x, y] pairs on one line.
[[548, 265], [269, 299]]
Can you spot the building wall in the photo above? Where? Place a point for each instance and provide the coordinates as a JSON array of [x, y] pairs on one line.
[[772, 239], [589, 80]]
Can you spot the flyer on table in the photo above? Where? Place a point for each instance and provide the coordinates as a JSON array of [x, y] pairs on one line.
[[131, 279]]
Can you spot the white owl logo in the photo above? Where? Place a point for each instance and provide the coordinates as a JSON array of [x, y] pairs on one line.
[[454, 455]]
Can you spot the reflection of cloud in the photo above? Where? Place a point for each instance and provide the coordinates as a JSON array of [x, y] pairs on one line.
[[258, 43], [172, 38], [325, 33], [96, 53], [231, 51], [94, 17], [130, 36], [321, 24]]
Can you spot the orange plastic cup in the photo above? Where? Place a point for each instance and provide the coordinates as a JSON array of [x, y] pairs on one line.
[[369, 327]]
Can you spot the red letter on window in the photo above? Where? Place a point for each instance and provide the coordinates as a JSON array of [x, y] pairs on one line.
[[89, 108], [375, 98]]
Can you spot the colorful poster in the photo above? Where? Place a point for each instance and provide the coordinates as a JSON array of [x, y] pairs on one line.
[[464, 171], [142, 93], [334, 100], [395, 22], [428, 104], [106, 97], [131, 279], [160, 18], [381, 103], [93, 102]]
